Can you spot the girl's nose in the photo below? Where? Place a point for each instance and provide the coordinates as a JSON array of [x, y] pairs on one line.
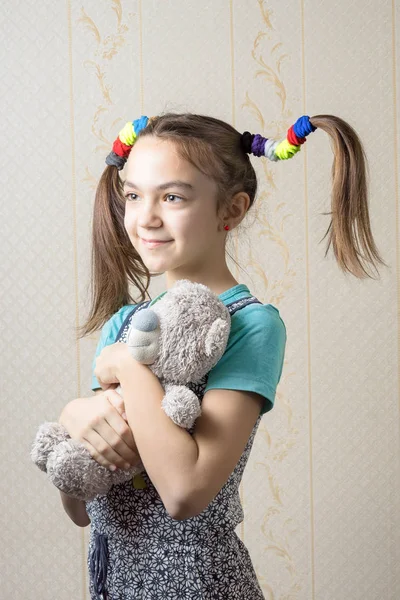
[[148, 215], [145, 320]]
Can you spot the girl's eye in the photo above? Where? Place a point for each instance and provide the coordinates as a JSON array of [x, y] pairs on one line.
[[174, 196], [129, 196]]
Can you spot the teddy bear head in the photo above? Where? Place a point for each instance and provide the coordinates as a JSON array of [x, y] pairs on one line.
[[183, 335]]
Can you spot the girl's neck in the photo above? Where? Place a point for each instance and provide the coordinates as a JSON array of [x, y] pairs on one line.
[[216, 285]]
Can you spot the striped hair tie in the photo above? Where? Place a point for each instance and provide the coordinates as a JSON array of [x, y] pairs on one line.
[[278, 150], [125, 140]]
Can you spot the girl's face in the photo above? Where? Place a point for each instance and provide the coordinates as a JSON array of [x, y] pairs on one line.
[[168, 199]]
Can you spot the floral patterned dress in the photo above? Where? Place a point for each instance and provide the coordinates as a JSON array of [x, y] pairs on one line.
[[137, 551]]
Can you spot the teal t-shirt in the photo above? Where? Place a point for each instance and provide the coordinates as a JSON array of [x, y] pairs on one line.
[[253, 359]]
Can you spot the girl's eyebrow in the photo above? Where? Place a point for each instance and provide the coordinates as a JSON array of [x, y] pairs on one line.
[[163, 186]]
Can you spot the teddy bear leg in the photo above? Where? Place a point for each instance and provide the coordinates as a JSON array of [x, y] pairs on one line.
[[71, 468], [48, 436]]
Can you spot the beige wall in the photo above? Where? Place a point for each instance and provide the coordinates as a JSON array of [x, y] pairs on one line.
[[321, 490]]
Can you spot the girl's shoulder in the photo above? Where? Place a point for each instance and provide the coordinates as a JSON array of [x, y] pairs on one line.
[[254, 355], [258, 327], [256, 316]]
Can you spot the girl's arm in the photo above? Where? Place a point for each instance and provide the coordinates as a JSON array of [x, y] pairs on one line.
[[75, 509], [187, 471]]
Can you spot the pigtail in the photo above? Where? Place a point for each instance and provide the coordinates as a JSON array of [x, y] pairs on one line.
[[349, 230], [115, 261]]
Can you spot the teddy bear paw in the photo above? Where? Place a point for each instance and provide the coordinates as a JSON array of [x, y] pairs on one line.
[[181, 405]]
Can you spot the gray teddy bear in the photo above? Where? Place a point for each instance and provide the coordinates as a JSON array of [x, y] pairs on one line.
[[181, 338]]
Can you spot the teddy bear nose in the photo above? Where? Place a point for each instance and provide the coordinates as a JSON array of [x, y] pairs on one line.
[[145, 320]]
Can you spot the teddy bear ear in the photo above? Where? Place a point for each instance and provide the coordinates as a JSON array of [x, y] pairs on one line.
[[217, 338]]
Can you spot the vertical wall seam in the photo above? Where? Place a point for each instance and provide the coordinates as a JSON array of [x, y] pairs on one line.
[[312, 536], [396, 182], [75, 248], [241, 487], [141, 59], [232, 45], [232, 62]]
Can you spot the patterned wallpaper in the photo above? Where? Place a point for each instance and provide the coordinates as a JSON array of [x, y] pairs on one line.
[[321, 489]]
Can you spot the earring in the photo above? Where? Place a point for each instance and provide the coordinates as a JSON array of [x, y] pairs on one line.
[[226, 227]]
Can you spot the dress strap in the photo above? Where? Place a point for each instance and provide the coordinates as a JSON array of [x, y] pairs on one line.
[[128, 318], [232, 307], [239, 304]]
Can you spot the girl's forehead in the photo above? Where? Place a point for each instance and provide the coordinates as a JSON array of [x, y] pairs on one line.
[[152, 157], [151, 146]]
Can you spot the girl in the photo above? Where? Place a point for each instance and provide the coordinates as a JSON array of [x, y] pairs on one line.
[[188, 180]]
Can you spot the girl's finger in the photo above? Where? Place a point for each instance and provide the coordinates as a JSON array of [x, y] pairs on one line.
[[116, 400], [118, 435], [110, 386], [95, 455], [102, 452], [117, 419]]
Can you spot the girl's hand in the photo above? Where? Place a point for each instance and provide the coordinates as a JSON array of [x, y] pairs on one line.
[[97, 423], [109, 362]]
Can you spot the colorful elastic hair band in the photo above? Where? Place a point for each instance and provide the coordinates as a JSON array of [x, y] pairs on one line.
[[124, 142], [275, 150]]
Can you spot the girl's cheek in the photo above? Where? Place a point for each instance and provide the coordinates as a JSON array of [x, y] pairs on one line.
[[128, 221]]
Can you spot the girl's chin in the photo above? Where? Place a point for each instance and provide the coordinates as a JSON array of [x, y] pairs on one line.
[[156, 264]]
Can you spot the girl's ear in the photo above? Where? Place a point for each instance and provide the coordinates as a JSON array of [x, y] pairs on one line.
[[240, 205], [216, 338], [236, 209]]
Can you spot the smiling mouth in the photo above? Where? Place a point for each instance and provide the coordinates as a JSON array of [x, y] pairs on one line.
[[154, 244]]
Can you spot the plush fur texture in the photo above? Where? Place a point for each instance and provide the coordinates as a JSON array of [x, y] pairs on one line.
[[70, 467], [180, 338], [48, 436]]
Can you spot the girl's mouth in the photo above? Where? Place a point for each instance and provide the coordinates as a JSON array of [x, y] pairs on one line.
[[154, 244]]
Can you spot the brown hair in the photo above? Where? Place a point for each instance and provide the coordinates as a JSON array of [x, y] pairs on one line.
[[214, 147]]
